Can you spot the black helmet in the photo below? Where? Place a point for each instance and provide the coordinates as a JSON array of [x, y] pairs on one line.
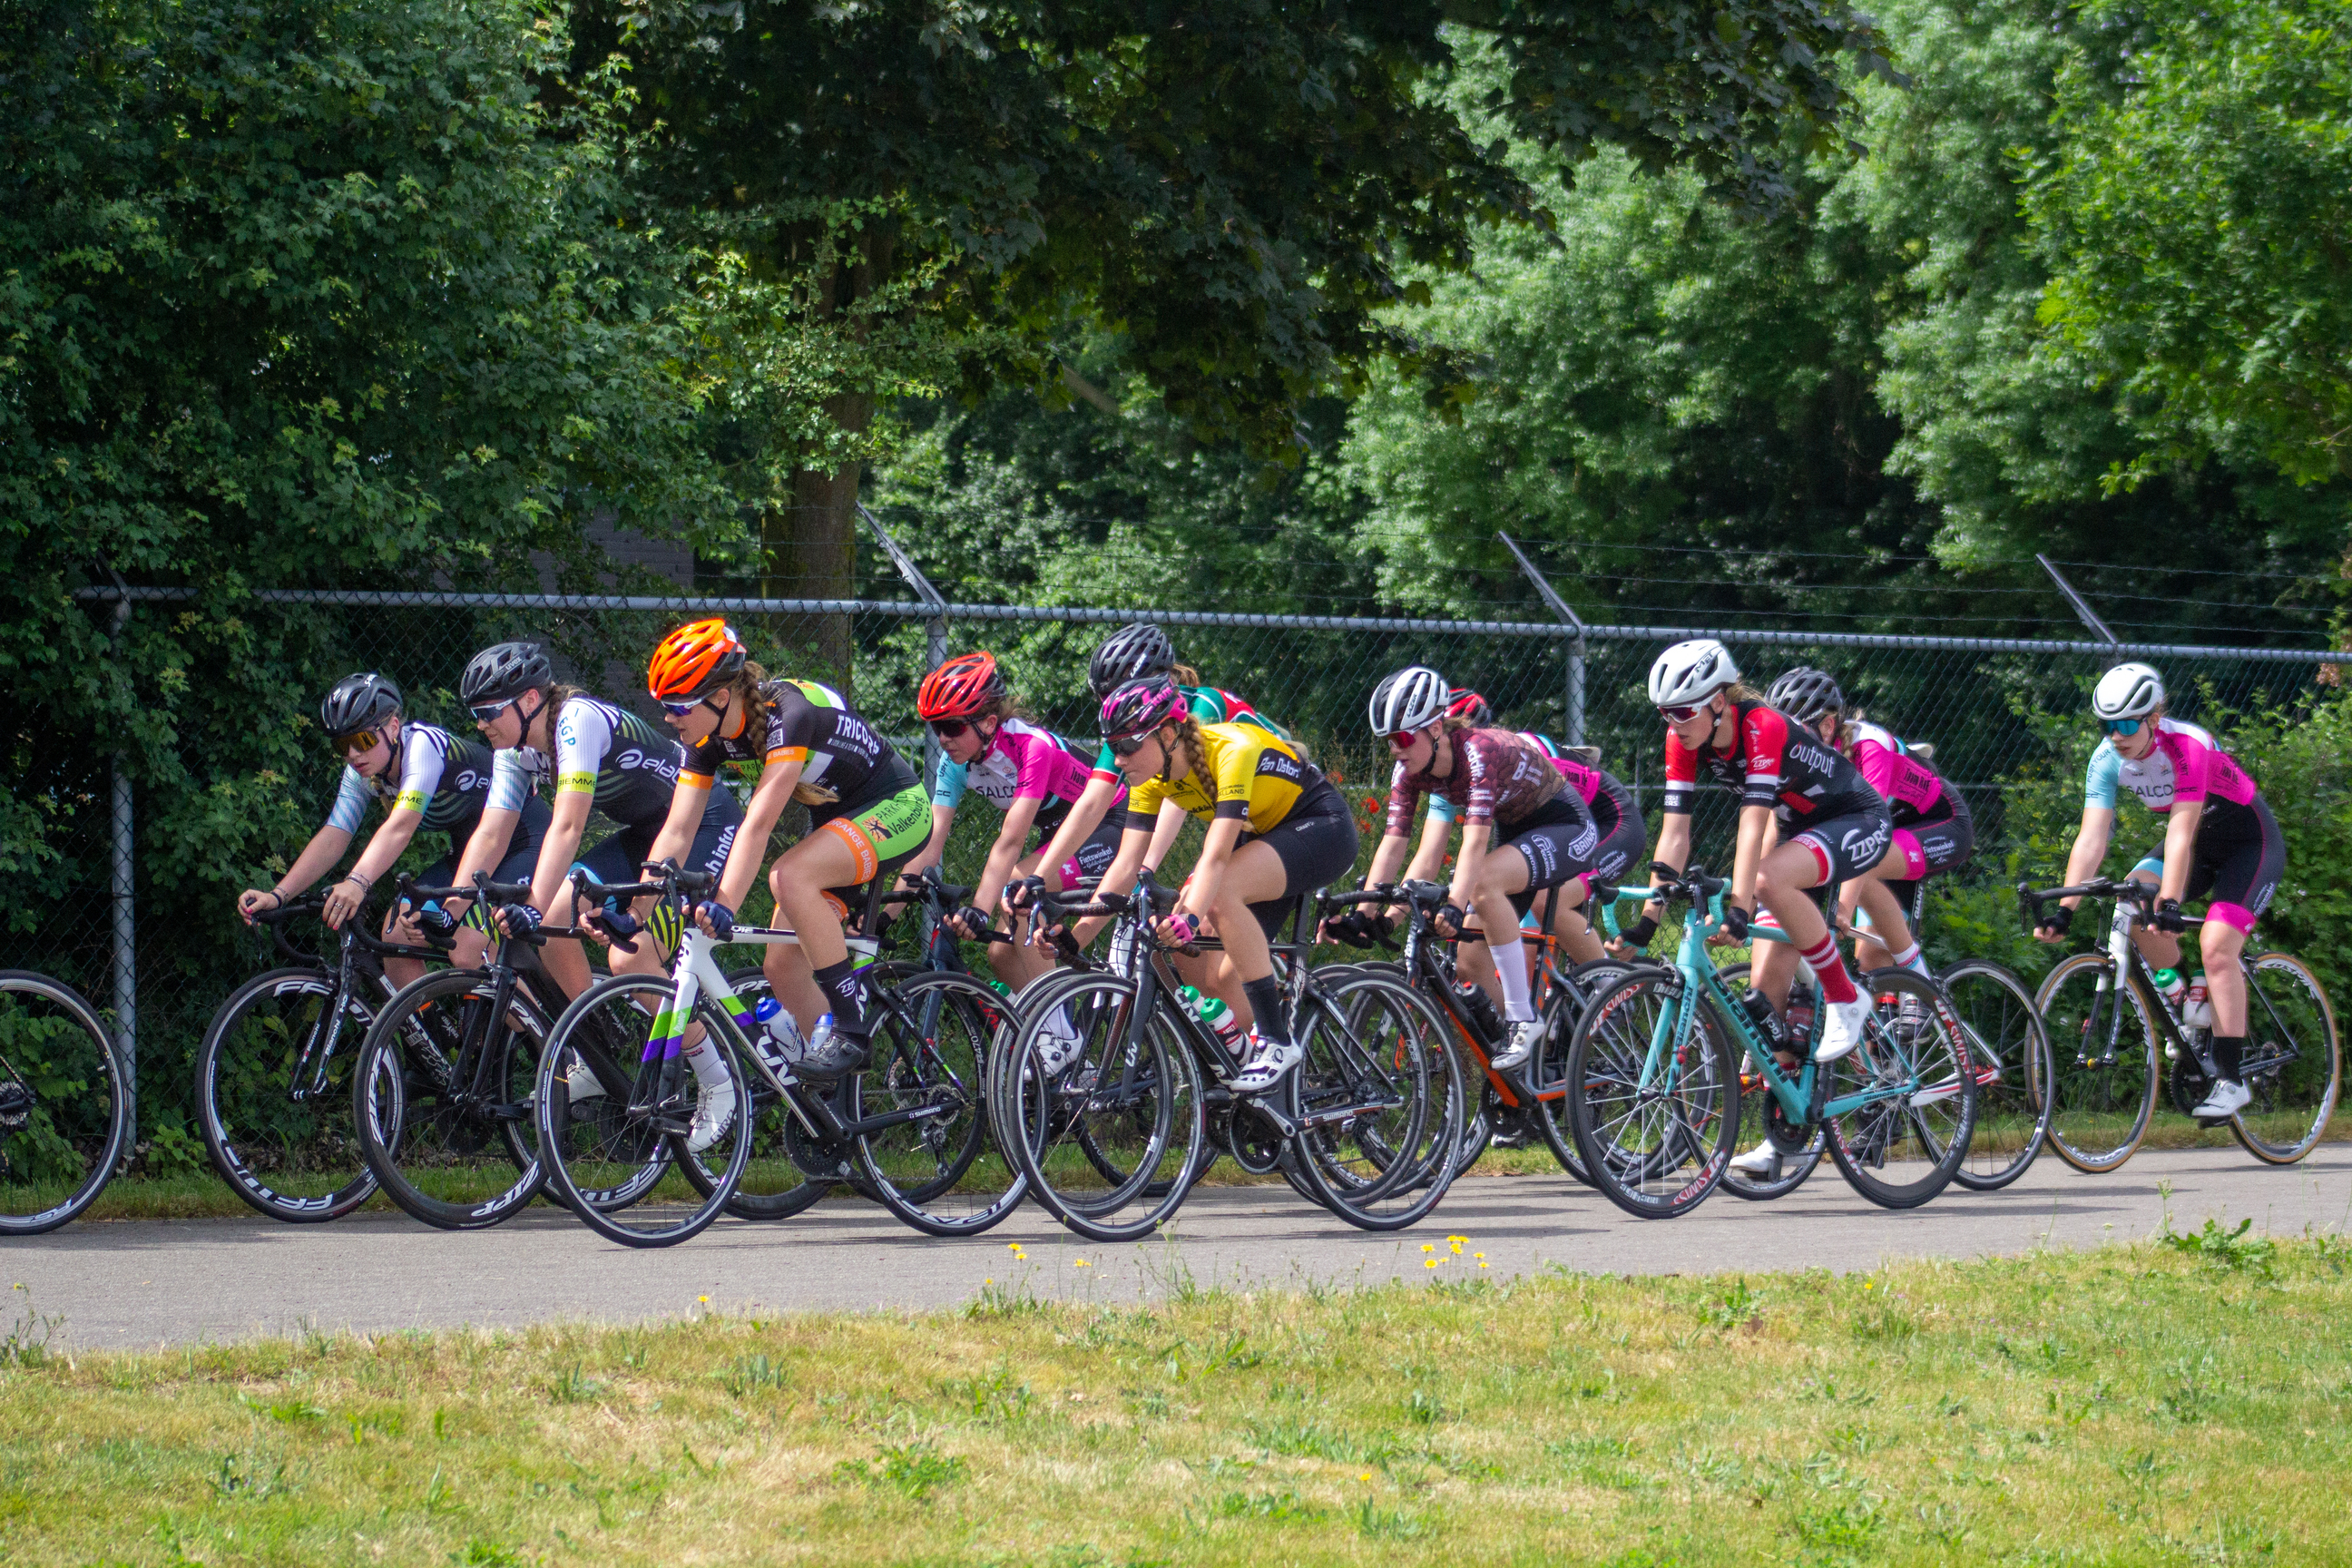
[[1805, 694], [358, 702], [507, 670], [1132, 653]]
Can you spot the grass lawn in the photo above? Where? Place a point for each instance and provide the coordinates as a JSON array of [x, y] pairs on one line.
[[2166, 1403]]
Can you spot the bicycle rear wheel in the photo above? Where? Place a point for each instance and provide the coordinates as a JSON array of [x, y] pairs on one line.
[[2292, 1065], [777, 1183], [441, 1098], [1383, 1097], [65, 1104], [2103, 1076], [289, 1149], [2003, 1029], [605, 1157], [934, 1167], [1655, 1112], [1900, 1150]]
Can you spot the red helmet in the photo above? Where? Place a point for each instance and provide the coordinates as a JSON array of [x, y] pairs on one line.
[[1464, 703], [693, 661], [963, 688]]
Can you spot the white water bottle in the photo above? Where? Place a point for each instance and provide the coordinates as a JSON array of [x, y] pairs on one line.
[[778, 1039], [1212, 1010], [2197, 1012]]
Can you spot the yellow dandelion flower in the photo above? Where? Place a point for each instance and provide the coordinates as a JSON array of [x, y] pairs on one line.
[[704, 1300], [1012, 1246], [1486, 1265], [1078, 1263], [1477, 1255], [1429, 1246], [1429, 1263]]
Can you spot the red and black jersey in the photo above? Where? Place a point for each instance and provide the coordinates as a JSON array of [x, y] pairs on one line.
[[1774, 761]]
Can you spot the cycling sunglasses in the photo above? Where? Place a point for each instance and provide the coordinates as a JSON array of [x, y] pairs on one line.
[[1682, 712], [949, 729], [1126, 745], [1402, 740], [680, 709], [488, 712], [355, 745], [2120, 726]]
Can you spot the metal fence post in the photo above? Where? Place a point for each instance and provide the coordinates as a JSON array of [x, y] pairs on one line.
[[935, 643], [126, 933], [2081, 605], [1574, 716]]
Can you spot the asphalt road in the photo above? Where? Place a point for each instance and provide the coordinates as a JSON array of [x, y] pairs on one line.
[[143, 1283]]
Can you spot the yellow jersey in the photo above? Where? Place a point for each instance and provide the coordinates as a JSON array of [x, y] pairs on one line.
[[1252, 773]]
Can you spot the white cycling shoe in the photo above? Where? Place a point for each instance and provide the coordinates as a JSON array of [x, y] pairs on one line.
[[1270, 1062], [2229, 1097], [1762, 1161], [579, 1083], [1057, 1042], [714, 1113], [1520, 1039], [1842, 1026]]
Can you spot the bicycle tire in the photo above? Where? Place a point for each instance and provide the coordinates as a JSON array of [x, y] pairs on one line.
[[1757, 1103], [2103, 1094], [1653, 1152], [415, 1127], [1411, 1153], [621, 1151], [243, 1066], [2294, 1097], [774, 1185], [1925, 1134], [2005, 1038], [920, 1169], [68, 1105]]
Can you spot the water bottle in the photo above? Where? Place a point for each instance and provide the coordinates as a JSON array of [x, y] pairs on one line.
[[2197, 1012], [1768, 1022], [778, 1039], [820, 1037], [1803, 1003], [1212, 1010], [1479, 1008], [2171, 985]]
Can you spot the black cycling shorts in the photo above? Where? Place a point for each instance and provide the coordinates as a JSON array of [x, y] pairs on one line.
[[520, 864], [1943, 838], [1624, 835], [1558, 841], [1317, 843], [1846, 847], [1093, 856], [620, 858], [2241, 873]]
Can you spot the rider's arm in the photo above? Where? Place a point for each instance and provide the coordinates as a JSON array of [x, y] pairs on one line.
[[1093, 802], [2180, 826], [1207, 876], [678, 829], [1118, 878], [565, 824], [326, 847], [777, 782], [1755, 837], [1674, 849], [1476, 837], [1005, 853], [2090, 851], [935, 849], [1163, 835]]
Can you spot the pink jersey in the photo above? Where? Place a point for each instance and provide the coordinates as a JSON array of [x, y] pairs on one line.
[[2187, 767], [1895, 773], [1023, 763]]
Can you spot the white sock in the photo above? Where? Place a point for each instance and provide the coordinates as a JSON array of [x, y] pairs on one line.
[[705, 1063], [1909, 959], [1511, 968]]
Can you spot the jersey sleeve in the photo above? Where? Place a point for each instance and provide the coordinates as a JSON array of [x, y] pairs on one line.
[[1475, 757], [948, 790], [584, 737], [1764, 742], [700, 769], [1877, 767], [1143, 803], [2193, 767], [1682, 777], [1401, 799], [1442, 808], [793, 722], [2099, 781], [510, 781], [1107, 765], [350, 802], [421, 765], [1236, 771], [1033, 780]]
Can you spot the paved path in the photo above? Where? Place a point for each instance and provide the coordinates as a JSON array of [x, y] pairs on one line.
[[140, 1283]]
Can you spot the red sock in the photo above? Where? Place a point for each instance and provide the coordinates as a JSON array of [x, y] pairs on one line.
[[1829, 969]]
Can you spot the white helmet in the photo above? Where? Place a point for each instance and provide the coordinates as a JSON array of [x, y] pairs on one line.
[[1412, 697], [2127, 692], [1691, 672]]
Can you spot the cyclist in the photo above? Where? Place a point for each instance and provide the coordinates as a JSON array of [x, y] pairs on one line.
[[604, 756], [1138, 652], [1838, 826], [1510, 796], [2230, 847], [429, 781], [866, 817], [1624, 835], [1277, 830], [1031, 774], [1933, 830]]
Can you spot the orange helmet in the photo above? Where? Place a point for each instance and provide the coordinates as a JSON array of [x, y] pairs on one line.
[[693, 661], [962, 688]]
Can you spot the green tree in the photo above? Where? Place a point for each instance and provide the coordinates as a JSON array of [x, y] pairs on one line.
[[2195, 215]]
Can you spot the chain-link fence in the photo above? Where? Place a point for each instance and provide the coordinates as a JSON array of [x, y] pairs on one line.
[[178, 867]]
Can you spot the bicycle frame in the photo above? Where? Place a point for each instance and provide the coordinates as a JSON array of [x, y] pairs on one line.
[[2124, 956]]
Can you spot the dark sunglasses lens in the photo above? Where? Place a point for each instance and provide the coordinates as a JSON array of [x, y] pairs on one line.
[[484, 712], [949, 729], [1126, 745], [679, 710]]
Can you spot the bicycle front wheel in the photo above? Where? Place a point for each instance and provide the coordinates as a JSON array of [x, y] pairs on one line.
[[1902, 1147], [441, 1098], [607, 1155], [1759, 1110], [923, 1132], [1653, 1100], [2003, 1029], [274, 1094], [1381, 1097], [2103, 1076], [2293, 1066], [65, 1104]]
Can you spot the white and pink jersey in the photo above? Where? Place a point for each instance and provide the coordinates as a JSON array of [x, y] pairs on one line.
[[2187, 767], [1023, 763], [1909, 785]]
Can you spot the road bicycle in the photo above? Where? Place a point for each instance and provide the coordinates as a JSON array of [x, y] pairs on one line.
[[1114, 1129], [64, 1103], [2105, 1038], [1657, 1092], [907, 1128], [273, 1072]]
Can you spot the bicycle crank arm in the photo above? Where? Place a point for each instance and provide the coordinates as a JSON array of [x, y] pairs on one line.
[[898, 1118]]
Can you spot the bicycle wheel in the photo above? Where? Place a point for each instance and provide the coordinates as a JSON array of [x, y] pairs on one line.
[[779, 1181], [625, 1139], [1382, 1099], [2003, 1029], [1133, 1104], [65, 1104], [1653, 1106], [2292, 1065], [441, 1100], [1759, 1111], [1586, 981], [1900, 1150], [2102, 1077], [930, 1160], [274, 1096]]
